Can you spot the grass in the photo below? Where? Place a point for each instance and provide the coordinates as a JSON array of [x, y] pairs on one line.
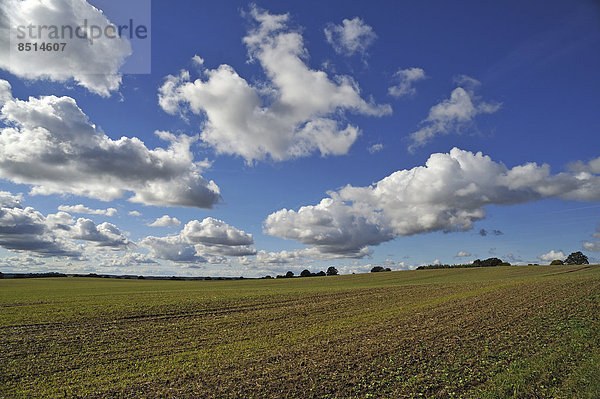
[[486, 332]]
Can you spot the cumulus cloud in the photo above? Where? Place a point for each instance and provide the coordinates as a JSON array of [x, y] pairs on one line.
[[165, 221], [201, 241], [453, 114], [449, 193], [79, 208], [172, 248], [134, 213], [592, 166], [463, 254], [351, 37], [48, 142], [552, 255], [93, 66], [27, 230], [406, 78], [5, 92], [295, 113], [102, 235]]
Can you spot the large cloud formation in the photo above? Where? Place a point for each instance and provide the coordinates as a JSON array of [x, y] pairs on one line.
[[23, 229], [48, 142], [449, 193], [199, 241], [93, 66], [292, 115], [27, 230]]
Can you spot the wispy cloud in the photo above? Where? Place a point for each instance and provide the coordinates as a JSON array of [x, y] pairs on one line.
[[353, 36], [454, 114], [405, 82]]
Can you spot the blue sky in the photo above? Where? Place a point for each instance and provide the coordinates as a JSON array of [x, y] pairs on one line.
[[479, 121]]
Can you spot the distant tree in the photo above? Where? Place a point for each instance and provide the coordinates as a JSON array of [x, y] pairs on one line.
[[477, 263], [557, 262], [577, 258], [141, 277], [305, 273], [387, 269], [377, 269], [289, 274], [321, 273], [332, 271], [491, 262], [268, 277], [1, 275]]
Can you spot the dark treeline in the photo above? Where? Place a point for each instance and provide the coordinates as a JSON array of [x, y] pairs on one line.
[[31, 275], [489, 262], [331, 271]]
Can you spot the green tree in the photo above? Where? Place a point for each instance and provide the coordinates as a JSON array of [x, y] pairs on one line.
[[557, 262], [332, 271], [577, 258], [305, 273], [377, 269], [289, 274]]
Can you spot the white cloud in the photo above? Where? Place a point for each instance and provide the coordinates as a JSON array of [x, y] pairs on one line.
[[351, 37], [130, 259], [452, 114], [172, 248], [93, 66], [552, 255], [406, 78], [165, 221], [5, 92], [84, 209], [201, 241], [294, 114], [375, 148], [463, 254], [48, 142], [134, 213], [197, 60], [592, 246], [592, 166], [212, 231], [449, 193], [102, 235]]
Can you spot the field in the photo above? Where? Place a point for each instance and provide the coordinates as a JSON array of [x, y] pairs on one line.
[[481, 332]]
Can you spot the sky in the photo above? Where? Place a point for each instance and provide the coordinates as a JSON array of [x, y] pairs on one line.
[[249, 139]]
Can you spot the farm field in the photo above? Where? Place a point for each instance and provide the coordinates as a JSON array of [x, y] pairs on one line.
[[494, 332]]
